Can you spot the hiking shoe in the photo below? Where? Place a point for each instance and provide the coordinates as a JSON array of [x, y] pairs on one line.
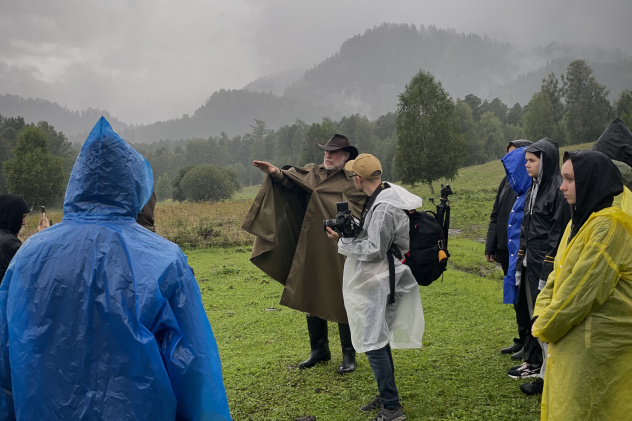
[[376, 403], [513, 348], [523, 371], [388, 415], [518, 356], [533, 388]]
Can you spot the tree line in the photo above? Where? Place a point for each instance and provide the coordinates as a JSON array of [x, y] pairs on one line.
[[429, 136]]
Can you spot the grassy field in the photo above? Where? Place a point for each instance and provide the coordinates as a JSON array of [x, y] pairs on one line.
[[458, 374]]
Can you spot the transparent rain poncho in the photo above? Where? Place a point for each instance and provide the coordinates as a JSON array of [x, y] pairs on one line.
[[585, 310], [101, 319], [365, 285]]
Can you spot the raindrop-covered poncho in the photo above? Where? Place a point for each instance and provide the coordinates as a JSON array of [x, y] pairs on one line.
[[585, 309], [519, 180], [101, 319], [365, 284]]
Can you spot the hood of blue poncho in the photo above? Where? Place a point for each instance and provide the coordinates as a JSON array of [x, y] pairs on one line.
[[517, 174], [109, 179]]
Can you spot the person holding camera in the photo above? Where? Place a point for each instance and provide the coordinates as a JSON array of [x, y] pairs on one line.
[[286, 219], [377, 325]]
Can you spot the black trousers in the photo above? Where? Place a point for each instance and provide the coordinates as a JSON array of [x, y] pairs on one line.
[[532, 348], [502, 257]]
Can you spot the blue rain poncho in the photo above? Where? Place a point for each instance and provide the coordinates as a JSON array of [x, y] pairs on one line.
[[101, 319], [519, 180]]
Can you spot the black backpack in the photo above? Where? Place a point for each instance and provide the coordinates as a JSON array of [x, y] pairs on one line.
[[428, 247], [428, 255]]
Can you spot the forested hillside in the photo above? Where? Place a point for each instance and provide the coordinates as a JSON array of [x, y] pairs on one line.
[[34, 110]]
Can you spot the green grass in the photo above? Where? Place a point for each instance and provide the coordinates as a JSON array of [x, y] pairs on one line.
[[457, 375]]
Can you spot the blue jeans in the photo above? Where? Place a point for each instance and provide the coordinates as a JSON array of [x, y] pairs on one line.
[[381, 361]]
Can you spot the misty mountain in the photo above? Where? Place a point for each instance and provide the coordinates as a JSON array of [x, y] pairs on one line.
[[615, 75], [370, 70], [231, 112], [364, 77], [70, 122], [275, 84]]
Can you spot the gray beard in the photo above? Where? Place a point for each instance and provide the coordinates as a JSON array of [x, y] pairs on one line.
[[334, 167]]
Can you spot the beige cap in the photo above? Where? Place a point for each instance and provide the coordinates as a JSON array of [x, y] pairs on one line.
[[366, 166]]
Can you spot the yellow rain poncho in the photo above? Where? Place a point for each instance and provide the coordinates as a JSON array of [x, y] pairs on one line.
[[585, 314]]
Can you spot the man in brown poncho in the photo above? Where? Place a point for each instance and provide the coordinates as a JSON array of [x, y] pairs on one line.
[[292, 247]]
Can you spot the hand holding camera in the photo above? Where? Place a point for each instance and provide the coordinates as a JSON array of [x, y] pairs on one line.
[[344, 224], [43, 222]]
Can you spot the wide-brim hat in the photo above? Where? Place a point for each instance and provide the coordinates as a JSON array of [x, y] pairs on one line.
[[337, 142]]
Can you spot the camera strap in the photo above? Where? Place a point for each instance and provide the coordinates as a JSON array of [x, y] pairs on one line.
[[368, 203]]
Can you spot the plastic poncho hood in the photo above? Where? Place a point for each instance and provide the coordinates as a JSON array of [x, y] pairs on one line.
[[101, 319], [616, 142], [109, 177], [597, 182]]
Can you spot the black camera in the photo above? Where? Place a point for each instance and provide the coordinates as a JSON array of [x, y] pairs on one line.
[[445, 191], [344, 224]]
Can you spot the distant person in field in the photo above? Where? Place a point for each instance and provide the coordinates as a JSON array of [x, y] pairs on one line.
[[101, 319], [616, 143], [290, 246], [546, 213], [496, 245], [376, 323], [585, 310], [13, 213]]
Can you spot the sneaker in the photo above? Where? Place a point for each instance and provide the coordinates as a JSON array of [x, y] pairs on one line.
[[388, 415], [533, 388], [518, 356], [523, 371], [376, 403], [514, 347]]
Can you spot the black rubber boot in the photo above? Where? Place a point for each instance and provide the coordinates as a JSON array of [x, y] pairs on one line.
[[348, 352], [318, 341]]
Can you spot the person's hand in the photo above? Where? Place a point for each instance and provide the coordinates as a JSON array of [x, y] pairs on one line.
[[266, 167], [490, 258], [43, 223], [332, 234]]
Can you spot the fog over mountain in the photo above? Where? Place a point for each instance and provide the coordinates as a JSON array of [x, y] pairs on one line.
[[174, 65]]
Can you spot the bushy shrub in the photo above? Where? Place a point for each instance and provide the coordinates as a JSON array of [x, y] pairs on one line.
[[209, 183]]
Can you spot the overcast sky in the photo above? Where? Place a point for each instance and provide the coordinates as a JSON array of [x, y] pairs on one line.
[[149, 60]]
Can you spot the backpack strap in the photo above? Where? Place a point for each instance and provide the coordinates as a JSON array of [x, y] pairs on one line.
[[392, 252], [391, 277]]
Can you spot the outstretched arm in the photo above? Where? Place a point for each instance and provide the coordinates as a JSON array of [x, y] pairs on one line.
[[267, 168]]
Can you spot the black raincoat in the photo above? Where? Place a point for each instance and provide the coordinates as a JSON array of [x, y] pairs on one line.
[[616, 143], [546, 214], [12, 210]]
